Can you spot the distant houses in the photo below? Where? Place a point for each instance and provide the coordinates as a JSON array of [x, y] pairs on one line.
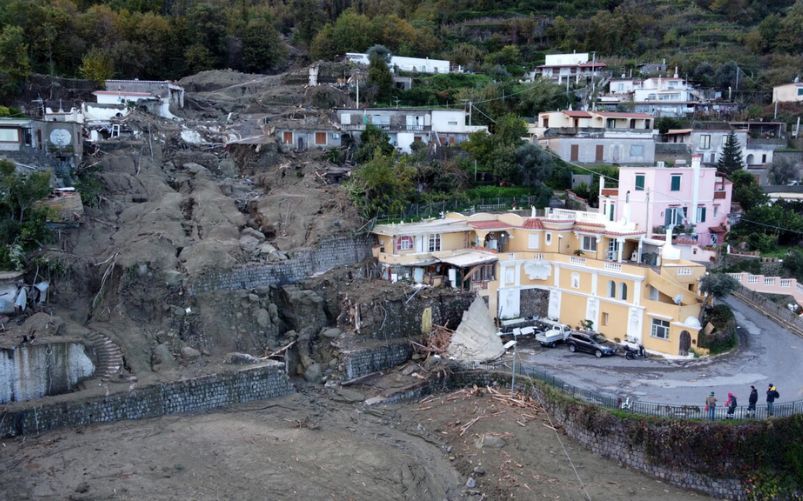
[[562, 68], [788, 93], [405, 64]]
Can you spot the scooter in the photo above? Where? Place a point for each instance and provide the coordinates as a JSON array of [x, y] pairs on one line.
[[632, 354]]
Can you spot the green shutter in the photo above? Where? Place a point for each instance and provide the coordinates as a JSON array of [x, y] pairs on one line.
[[675, 183], [639, 182]]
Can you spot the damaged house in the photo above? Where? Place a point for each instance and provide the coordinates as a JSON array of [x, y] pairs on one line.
[[570, 266], [157, 97], [300, 131]]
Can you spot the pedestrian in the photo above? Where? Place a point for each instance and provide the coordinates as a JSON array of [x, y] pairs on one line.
[[751, 407], [772, 395], [731, 405], [711, 406]]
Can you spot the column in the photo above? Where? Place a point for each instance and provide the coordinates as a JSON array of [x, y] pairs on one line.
[[620, 244]]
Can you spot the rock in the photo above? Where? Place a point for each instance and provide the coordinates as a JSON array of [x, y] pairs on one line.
[[263, 318], [253, 233], [240, 358], [471, 483], [274, 313], [249, 244], [306, 361], [42, 325], [313, 373], [194, 168], [253, 298], [163, 357], [267, 249], [82, 488], [479, 470], [179, 311], [302, 308], [488, 440], [228, 168], [173, 278], [333, 333], [190, 353]]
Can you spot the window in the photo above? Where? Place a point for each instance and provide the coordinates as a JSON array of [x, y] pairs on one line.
[[674, 216], [589, 243], [612, 289], [452, 122], [705, 141], [404, 243], [636, 150], [639, 182], [700, 214], [653, 293], [548, 238], [623, 290], [604, 318], [532, 241], [660, 329], [320, 138], [716, 210], [487, 273], [764, 158], [800, 91], [575, 280], [675, 186], [434, 242]]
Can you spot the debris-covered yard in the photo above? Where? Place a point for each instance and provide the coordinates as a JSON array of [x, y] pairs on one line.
[[325, 444]]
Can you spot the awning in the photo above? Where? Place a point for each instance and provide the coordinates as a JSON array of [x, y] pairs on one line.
[[652, 241], [471, 258]]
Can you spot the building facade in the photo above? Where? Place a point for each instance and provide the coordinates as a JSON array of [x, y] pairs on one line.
[[788, 93], [658, 198], [562, 68], [405, 126], [569, 266], [405, 64]]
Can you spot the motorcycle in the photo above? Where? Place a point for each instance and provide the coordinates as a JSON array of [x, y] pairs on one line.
[[632, 354]]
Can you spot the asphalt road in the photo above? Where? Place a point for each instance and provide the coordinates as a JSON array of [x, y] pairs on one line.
[[768, 353]]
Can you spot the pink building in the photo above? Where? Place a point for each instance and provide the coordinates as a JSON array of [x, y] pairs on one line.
[[656, 198]]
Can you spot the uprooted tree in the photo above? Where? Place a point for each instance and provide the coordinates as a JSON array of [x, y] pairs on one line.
[[23, 226]]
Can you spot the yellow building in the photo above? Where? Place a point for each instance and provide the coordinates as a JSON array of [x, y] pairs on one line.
[[566, 265]]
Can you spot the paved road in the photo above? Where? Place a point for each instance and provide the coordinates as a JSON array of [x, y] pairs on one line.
[[768, 354]]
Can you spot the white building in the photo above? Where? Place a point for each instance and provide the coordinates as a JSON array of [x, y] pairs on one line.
[[788, 93], [408, 64], [562, 67], [660, 96]]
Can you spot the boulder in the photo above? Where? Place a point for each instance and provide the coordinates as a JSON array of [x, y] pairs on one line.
[[190, 353], [263, 317], [241, 358], [490, 441], [332, 333], [249, 244], [162, 356], [302, 309], [313, 373], [253, 233]]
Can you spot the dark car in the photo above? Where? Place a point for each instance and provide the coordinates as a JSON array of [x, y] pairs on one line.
[[590, 343]]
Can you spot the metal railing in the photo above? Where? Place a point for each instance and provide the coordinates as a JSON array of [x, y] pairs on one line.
[[417, 212], [628, 404]]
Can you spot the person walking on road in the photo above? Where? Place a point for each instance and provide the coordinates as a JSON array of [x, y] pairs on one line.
[[711, 406], [772, 395], [731, 405], [752, 401]]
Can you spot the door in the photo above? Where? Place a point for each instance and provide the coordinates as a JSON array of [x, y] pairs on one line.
[[288, 137], [320, 138], [599, 153], [575, 153], [685, 343]]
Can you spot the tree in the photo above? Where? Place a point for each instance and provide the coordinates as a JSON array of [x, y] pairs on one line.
[[263, 49], [730, 160], [496, 152], [782, 171], [718, 285], [22, 224], [382, 185], [14, 64], [535, 165], [746, 191], [380, 80], [372, 139], [97, 66]]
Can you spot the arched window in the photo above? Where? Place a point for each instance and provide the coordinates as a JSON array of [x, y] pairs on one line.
[[612, 289], [624, 291]]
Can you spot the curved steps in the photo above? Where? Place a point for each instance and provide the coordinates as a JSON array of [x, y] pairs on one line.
[[109, 356]]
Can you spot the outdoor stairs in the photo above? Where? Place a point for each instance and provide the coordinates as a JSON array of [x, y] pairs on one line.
[[109, 357]]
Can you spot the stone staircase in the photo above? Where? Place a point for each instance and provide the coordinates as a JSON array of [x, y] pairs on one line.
[[109, 356]]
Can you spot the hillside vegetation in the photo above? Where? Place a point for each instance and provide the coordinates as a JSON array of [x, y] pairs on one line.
[[98, 39]]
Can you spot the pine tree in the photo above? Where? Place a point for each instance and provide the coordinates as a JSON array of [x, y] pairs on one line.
[[730, 160]]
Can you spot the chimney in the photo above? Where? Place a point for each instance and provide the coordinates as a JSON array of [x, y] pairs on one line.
[[676, 72]]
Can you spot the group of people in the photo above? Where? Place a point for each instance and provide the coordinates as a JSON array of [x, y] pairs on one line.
[[730, 404]]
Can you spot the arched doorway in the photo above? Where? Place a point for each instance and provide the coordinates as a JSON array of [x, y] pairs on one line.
[[750, 159], [685, 343]]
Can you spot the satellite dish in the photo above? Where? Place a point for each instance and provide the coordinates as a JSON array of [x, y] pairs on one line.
[[678, 299], [60, 137]]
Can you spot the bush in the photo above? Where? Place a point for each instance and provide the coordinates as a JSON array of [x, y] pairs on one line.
[[723, 338]]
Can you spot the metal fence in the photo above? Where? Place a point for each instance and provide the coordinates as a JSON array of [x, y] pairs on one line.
[[629, 404]]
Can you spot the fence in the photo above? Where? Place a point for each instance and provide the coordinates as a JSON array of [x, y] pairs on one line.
[[415, 212], [784, 316], [627, 404]]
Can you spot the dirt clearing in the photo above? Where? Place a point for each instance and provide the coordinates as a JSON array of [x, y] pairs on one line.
[[322, 445]]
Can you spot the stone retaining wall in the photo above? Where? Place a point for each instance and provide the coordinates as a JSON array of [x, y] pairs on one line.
[[302, 263], [200, 394], [364, 361]]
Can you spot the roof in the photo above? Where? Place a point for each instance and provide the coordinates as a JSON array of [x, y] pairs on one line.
[[121, 93], [582, 65], [619, 114], [577, 114], [672, 132], [533, 224], [14, 122], [489, 225], [470, 258], [436, 226]]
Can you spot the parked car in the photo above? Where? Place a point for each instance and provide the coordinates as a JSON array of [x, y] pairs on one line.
[[552, 333], [590, 343]]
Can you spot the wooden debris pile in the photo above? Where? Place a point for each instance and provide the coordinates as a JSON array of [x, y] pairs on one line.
[[437, 342]]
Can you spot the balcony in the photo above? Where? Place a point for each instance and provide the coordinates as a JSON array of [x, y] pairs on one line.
[[390, 127]]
